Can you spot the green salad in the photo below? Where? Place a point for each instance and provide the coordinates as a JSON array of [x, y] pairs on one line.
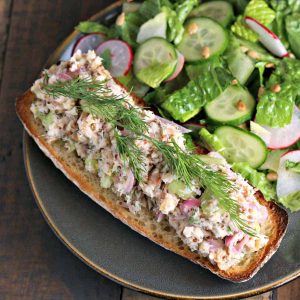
[[229, 71]]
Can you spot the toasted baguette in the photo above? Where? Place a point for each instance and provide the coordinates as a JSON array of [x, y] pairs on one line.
[[143, 222]]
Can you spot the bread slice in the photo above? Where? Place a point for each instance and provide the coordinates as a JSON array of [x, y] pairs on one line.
[[143, 222]]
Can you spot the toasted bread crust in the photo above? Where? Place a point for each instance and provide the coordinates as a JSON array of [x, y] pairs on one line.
[[278, 219]]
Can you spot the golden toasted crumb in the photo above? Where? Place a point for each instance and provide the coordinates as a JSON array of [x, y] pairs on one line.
[[120, 19], [192, 28], [253, 54], [276, 88], [272, 176], [241, 105], [269, 65], [205, 52]]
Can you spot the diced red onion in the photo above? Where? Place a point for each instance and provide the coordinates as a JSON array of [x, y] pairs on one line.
[[215, 244], [64, 76], [236, 242], [186, 205], [160, 217], [129, 182]]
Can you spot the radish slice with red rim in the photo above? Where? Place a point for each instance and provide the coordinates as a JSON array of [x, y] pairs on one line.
[[268, 38], [288, 181], [89, 42], [121, 56], [179, 66], [283, 137]]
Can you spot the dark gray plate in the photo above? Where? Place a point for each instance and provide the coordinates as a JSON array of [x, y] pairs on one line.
[[114, 250]]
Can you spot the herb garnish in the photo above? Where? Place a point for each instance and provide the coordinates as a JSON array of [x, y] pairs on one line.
[[96, 98]]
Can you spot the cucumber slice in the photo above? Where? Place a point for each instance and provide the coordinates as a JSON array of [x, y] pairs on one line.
[[202, 34], [219, 11], [233, 107], [242, 146], [155, 60], [240, 65]]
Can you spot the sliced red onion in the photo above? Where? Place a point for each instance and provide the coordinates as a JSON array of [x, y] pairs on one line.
[[231, 240], [179, 127], [160, 217], [236, 242], [129, 182], [64, 76], [186, 205], [214, 245]]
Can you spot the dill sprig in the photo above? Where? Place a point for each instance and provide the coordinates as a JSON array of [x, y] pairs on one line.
[[189, 167], [96, 98], [129, 151]]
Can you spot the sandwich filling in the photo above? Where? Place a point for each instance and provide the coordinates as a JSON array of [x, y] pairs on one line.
[[192, 211]]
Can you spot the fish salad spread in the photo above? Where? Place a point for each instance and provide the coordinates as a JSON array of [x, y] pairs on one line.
[[192, 211]]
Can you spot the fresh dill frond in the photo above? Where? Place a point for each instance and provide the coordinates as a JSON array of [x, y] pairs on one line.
[[130, 151], [97, 99], [189, 167]]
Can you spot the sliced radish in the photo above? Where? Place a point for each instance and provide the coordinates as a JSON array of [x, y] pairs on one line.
[[179, 66], [283, 137], [121, 56], [268, 38], [288, 181], [89, 42]]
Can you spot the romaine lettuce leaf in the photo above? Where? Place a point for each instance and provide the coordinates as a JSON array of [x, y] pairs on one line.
[[291, 201], [149, 9], [133, 21], [184, 8], [175, 27], [259, 10], [257, 179], [292, 26], [185, 103], [176, 18], [283, 8], [292, 166], [240, 29], [209, 83], [276, 109], [92, 27], [156, 74], [131, 27]]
